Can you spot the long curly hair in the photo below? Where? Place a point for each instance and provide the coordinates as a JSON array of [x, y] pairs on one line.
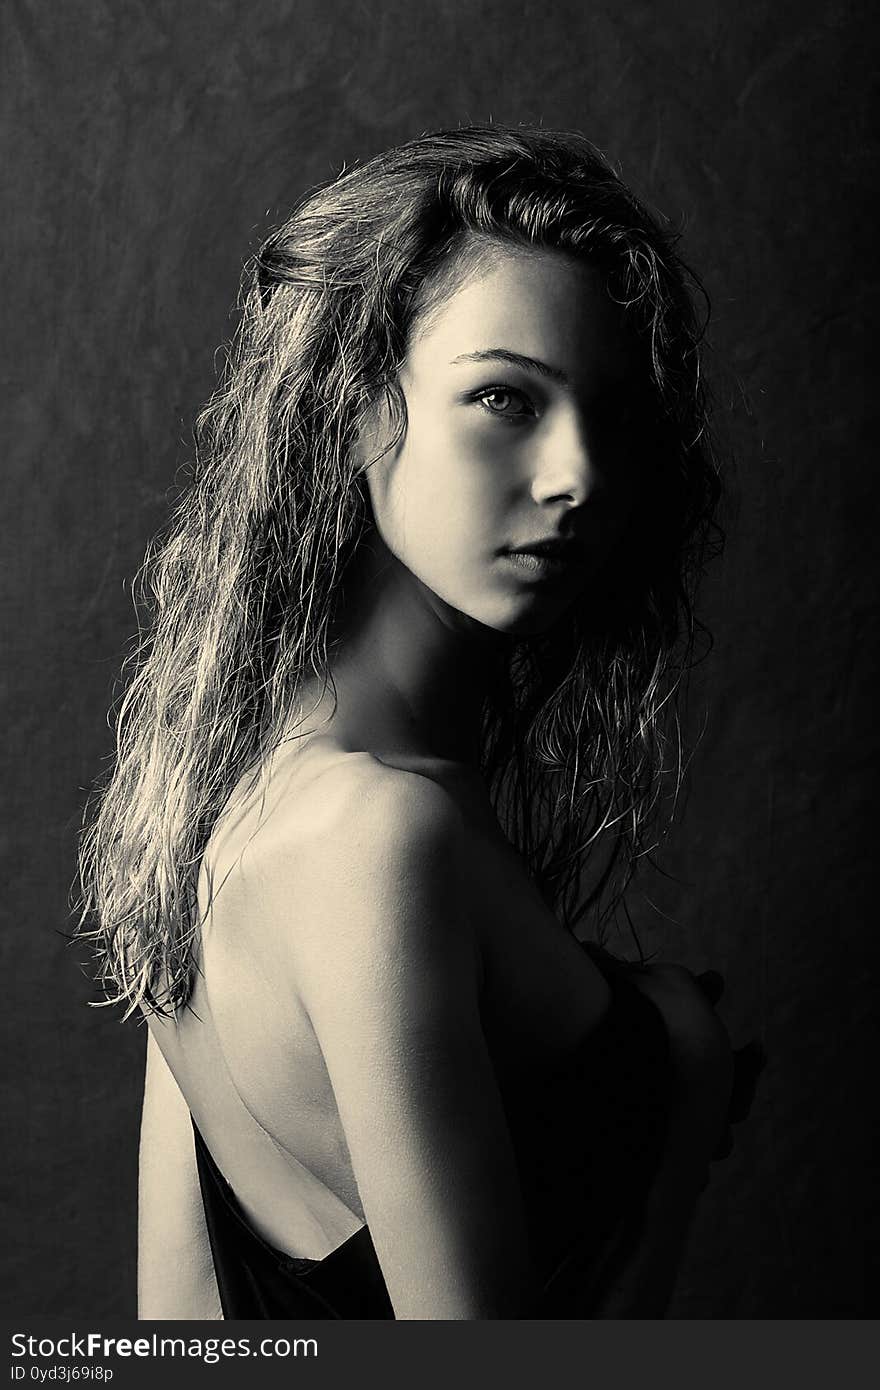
[[239, 602]]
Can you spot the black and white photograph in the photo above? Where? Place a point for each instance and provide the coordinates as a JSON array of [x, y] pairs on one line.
[[439, 620]]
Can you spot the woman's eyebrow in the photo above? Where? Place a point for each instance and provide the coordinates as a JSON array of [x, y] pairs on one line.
[[516, 359]]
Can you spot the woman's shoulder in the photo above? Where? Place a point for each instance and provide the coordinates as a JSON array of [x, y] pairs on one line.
[[318, 796], [334, 832], [336, 802], [367, 864]]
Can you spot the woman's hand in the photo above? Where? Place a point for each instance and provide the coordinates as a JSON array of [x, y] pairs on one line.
[[702, 1073], [748, 1063], [703, 1068], [714, 1085]]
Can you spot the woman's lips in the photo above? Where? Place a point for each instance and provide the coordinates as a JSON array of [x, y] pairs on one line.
[[545, 564]]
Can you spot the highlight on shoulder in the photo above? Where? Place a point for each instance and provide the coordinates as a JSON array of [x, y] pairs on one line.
[[342, 843]]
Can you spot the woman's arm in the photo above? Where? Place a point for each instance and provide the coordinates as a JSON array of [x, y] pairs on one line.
[[701, 1062], [389, 975], [644, 1286], [175, 1269]]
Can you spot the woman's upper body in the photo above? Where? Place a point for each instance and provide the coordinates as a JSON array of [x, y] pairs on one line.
[[379, 985], [360, 1010], [413, 638]]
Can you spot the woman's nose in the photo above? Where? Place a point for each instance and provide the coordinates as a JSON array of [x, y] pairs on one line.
[[565, 469]]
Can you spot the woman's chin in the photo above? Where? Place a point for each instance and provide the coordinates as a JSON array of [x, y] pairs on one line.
[[525, 619], [505, 614]]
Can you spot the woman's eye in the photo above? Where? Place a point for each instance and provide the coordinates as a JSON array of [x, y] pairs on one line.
[[505, 402]]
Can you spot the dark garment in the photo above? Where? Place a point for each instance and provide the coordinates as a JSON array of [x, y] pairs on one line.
[[592, 1135]]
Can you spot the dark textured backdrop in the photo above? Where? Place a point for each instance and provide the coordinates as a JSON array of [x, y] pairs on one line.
[[145, 148]]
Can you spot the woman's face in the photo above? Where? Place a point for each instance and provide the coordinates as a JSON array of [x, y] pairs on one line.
[[520, 436]]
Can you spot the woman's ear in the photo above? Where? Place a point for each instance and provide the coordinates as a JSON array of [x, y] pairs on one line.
[[380, 428]]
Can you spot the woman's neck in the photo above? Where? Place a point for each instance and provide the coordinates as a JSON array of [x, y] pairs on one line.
[[410, 673]]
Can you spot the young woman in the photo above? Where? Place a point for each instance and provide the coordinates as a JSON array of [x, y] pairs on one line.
[[396, 730]]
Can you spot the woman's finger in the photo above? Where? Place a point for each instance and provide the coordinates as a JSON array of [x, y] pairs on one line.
[[711, 982], [724, 1147], [748, 1063]]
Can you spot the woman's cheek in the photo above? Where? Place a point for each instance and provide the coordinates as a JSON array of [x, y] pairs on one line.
[[451, 488]]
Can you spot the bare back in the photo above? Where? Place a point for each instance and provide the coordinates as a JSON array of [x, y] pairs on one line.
[[245, 1054]]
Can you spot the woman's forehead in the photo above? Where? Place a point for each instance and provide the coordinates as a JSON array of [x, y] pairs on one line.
[[536, 304]]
